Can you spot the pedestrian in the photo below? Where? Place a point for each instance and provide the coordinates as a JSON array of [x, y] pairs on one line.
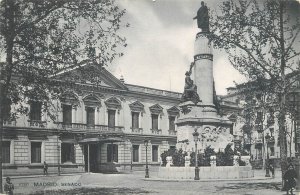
[[272, 169], [9, 187], [290, 179], [45, 168]]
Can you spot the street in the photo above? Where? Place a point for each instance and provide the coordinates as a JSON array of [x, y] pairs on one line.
[[134, 183]]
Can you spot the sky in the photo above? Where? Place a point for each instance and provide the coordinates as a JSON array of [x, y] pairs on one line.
[[161, 45]]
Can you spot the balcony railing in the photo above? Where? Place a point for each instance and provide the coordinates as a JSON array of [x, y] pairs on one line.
[[172, 132], [81, 126], [37, 123], [258, 141], [156, 131], [137, 130], [11, 123]]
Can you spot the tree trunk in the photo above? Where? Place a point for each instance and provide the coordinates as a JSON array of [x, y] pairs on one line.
[[282, 98], [282, 138]]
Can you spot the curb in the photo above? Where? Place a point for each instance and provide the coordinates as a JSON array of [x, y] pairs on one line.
[[206, 180]]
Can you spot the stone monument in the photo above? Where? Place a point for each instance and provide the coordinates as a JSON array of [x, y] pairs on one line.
[[197, 104]]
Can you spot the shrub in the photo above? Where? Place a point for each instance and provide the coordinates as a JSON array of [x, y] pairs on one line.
[[177, 156], [225, 158]]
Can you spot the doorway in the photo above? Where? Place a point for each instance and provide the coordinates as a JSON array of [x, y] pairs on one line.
[[93, 153]]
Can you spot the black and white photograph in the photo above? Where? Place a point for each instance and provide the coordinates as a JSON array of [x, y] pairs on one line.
[[150, 97]]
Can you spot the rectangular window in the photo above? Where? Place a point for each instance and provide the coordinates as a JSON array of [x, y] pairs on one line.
[[135, 153], [154, 153], [6, 151], [272, 151], [271, 132], [259, 153], [35, 111], [259, 118], [112, 153], [36, 152], [111, 118], [135, 120], [154, 121], [172, 123], [67, 114], [90, 116], [67, 152]]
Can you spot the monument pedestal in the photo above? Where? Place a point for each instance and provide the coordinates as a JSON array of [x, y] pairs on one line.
[[213, 130]]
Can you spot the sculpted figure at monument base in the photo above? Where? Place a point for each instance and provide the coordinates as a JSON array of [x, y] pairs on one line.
[[190, 90]]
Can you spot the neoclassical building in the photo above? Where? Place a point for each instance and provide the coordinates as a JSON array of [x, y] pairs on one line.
[[98, 128]]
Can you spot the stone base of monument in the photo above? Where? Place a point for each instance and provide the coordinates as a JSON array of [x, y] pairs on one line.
[[219, 172], [214, 130]]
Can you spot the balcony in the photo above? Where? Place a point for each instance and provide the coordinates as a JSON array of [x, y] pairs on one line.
[[156, 131], [258, 141], [9, 123], [37, 123], [137, 130], [81, 126], [172, 132]]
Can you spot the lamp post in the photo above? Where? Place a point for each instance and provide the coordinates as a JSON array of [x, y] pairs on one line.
[[147, 169], [267, 160], [195, 135]]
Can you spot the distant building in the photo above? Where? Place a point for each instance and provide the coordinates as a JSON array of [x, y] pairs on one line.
[[258, 135]]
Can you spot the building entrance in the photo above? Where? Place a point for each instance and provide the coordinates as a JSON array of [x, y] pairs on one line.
[[90, 157]]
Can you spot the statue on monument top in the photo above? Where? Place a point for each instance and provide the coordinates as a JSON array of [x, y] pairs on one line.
[[202, 18], [190, 89]]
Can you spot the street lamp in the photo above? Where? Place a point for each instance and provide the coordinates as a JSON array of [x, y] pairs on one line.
[[195, 135], [267, 160], [147, 169]]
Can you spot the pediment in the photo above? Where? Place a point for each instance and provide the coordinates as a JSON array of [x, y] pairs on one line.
[[69, 98], [136, 106], [91, 74], [113, 103], [173, 111], [92, 101], [156, 109]]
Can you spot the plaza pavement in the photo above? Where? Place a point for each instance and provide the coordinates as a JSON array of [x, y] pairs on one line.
[[135, 183]]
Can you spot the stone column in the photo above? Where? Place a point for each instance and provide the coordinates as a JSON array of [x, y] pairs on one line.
[[203, 68]]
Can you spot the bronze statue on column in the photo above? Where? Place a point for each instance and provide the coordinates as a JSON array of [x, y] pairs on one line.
[[202, 18]]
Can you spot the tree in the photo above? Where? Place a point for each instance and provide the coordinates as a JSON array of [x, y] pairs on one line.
[[39, 39], [262, 40]]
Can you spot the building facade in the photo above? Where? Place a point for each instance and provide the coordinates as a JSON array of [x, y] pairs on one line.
[[97, 129], [257, 131]]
